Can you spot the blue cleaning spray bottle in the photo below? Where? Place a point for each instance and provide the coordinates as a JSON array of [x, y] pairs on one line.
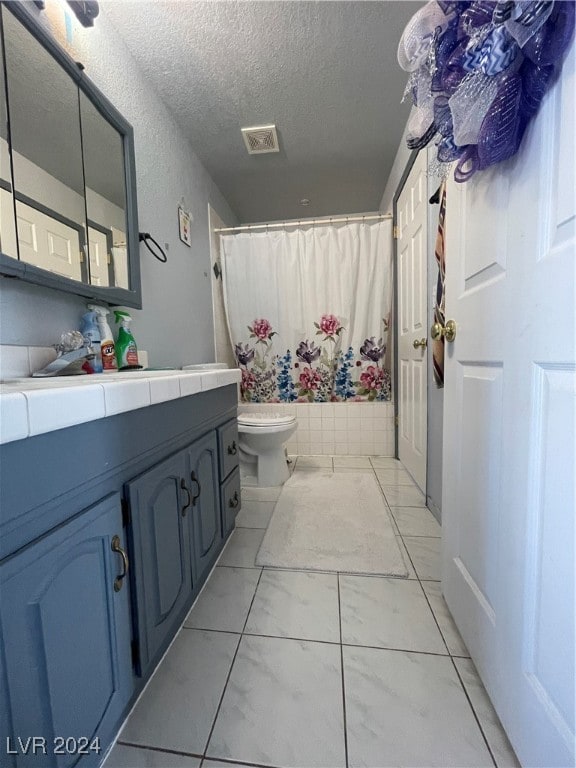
[[89, 329]]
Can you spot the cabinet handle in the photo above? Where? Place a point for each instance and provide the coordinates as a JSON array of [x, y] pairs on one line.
[[119, 580], [234, 501], [195, 480], [232, 449], [185, 488]]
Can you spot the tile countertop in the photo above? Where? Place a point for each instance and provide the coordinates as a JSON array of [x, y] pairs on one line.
[[33, 406]]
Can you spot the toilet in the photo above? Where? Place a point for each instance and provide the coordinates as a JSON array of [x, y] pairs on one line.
[[261, 439]]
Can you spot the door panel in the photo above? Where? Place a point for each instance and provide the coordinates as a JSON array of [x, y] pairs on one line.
[[509, 433], [66, 634], [412, 313], [162, 565], [48, 243], [98, 251], [203, 477]]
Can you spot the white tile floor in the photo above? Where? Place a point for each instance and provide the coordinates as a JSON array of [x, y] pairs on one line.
[[299, 669]]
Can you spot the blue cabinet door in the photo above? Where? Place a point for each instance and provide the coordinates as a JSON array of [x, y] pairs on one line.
[[65, 642], [162, 574], [203, 477]]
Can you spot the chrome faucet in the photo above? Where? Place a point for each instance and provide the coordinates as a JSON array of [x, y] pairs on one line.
[[74, 351]]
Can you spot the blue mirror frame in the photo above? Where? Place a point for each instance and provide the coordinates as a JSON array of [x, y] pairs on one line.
[[11, 267]]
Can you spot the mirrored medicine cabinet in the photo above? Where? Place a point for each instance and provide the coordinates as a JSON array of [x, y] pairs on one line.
[[68, 217]]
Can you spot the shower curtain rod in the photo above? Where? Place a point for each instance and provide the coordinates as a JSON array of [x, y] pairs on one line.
[[304, 222]]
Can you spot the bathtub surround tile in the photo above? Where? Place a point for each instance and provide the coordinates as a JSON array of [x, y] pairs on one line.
[[425, 555], [411, 708], [296, 604], [177, 709], [225, 601], [123, 756], [358, 462], [416, 521], [250, 493], [242, 548], [368, 604], [282, 706], [40, 357], [394, 477], [256, 514], [404, 496], [490, 723]]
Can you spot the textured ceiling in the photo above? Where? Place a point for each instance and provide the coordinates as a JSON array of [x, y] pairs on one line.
[[324, 72]]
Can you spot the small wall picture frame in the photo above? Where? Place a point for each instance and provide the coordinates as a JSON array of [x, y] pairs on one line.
[[184, 226]]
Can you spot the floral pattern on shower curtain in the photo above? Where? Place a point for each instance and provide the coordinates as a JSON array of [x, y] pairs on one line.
[[292, 354]]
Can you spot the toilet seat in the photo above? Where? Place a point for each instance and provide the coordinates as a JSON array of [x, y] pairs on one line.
[[267, 419]]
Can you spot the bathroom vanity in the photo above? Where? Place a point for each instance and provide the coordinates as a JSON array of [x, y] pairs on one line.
[[103, 549]]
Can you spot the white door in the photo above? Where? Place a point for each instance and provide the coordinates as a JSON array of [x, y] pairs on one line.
[[411, 214], [98, 250], [509, 440], [47, 243]]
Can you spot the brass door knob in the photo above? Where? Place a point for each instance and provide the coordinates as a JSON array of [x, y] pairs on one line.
[[422, 343], [448, 331]]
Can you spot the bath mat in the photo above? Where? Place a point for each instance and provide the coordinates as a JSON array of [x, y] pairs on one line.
[[332, 522]]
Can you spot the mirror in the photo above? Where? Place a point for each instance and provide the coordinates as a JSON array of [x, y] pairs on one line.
[[68, 210], [105, 198], [7, 225], [46, 156]]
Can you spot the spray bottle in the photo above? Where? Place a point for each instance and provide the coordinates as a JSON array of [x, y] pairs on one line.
[[89, 329], [126, 350], [106, 339]]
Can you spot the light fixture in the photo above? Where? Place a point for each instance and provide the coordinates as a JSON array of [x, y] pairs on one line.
[[304, 201]]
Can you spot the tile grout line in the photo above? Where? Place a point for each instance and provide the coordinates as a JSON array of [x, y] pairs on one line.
[[474, 714], [230, 670], [342, 673]]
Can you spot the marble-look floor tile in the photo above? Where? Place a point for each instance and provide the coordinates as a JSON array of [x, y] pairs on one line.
[[404, 496], [491, 725], [296, 604], [282, 706], [384, 462], [225, 601], [252, 493], [242, 548], [314, 462], [123, 756], [410, 708], [352, 462], [394, 477], [177, 708], [388, 613], [357, 470], [255, 514], [222, 764], [416, 521], [425, 554], [444, 618]]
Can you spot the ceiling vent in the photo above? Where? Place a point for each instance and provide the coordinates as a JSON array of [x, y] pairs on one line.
[[261, 139]]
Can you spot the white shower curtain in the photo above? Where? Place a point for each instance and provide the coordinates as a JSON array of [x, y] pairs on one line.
[[309, 310]]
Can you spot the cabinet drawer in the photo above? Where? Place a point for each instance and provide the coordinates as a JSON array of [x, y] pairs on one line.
[[231, 502], [228, 448]]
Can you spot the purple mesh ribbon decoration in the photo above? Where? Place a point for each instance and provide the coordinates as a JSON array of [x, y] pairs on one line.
[[479, 71]]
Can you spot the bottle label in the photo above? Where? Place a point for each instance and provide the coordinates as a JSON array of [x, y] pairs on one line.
[[131, 354], [108, 356]]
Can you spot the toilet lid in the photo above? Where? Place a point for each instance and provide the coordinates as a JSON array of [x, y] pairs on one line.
[[264, 419]]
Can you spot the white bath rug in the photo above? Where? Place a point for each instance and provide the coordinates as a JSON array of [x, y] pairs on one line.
[[332, 522]]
